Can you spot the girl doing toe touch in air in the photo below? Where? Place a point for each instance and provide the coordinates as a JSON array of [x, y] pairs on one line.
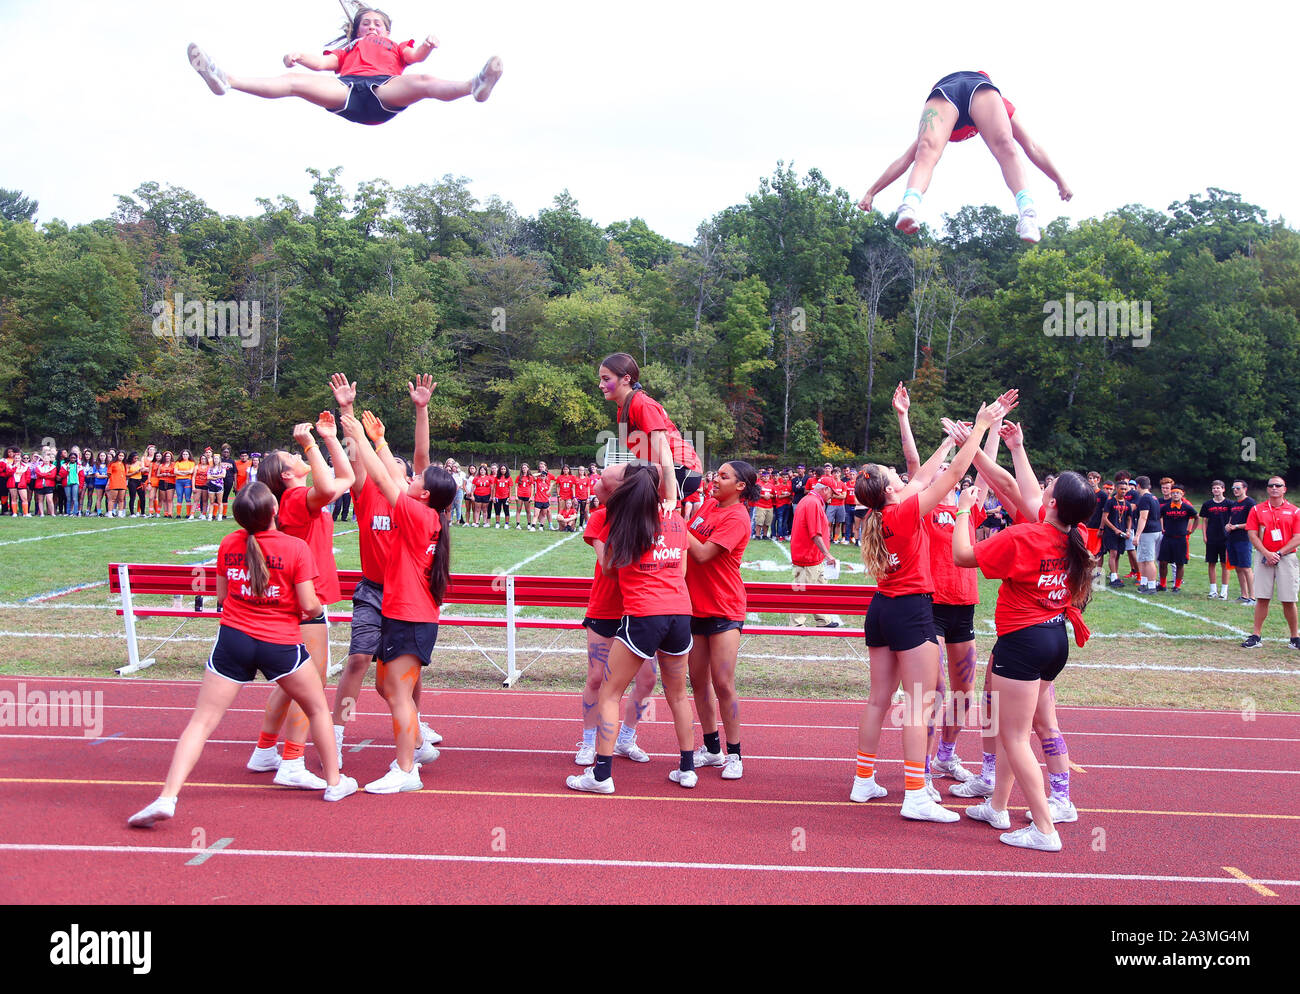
[[368, 86]]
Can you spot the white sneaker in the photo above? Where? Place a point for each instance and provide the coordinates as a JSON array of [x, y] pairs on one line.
[[294, 773], [426, 753], [396, 781], [985, 812], [919, 806], [1063, 810], [907, 222], [932, 790], [338, 744], [974, 787], [1027, 227], [631, 750], [264, 760], [205, 67], [1030, 837], [952, 768], [586, 755], [733, 770], [486, 79], [589, 782], [344, 788], [430, 736], [687, 778], [866, 789], [705, 758], [159, 810]]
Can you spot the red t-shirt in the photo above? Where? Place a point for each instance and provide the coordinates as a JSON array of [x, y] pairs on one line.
[[374, 528], [317, 530], [483, 486], [565, 485], [582, 487], [643, 416], [765, 493], [501, 486], [657, 585], [909, 550], [1264, 519], [406, 577], [1031, 562], [715, 587], [606, 601], [837, 493], [542, 488], [276, 616], [524, 488], [850, 496], [953, 584], [371, 55], [809, 521], [781, 493]]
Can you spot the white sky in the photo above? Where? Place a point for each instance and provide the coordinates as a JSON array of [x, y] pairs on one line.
[[671, 111]]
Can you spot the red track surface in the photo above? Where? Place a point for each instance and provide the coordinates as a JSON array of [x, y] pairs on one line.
[[1172, 795]]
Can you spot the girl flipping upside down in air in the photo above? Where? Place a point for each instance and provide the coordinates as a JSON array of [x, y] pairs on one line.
[[369, 87]]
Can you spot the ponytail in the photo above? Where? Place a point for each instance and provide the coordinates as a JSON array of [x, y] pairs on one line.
[[1075, 501], [254, 511], [869, 489], [255, 566], [441, 486]]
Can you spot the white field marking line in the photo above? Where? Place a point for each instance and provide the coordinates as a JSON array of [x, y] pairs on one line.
[[24, 606], [859, 703], [1173, 610], [1148, 625], [646, 864], [29, 601], [538, 555], [89, 531], [572, 651]]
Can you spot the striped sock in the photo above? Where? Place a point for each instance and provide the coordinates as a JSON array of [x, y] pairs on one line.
[[1024, 202], [914, 776], [912, 198], [866, 765], [989, 770]]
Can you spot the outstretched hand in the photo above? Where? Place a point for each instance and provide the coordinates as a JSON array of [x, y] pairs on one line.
[[968, 498], [902, 402], [345, 393], [374, 427], [325, 426], [1009, 401], [302, 433], [351, 426], [421, 390], [1012, 435], [986, 416], [957, 431]]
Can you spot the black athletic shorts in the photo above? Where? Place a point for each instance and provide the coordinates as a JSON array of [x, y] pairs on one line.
[[667, 633], [1216, 552], [688, 481], [1112, 542], [958, 88], [1035, 653], [319, 620], [955, 622], [542, 505], [213, 488], [1173, 549], [901, 623], [714, 626], [407, 638], [239, 657], [163, 487], [367, 618], [363, 105], [606, 628], [485, 499]]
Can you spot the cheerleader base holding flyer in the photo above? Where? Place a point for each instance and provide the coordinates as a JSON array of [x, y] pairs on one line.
[[264, 583]]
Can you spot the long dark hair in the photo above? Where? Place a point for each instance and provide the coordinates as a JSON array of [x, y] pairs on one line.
[[254, 510], [747, 475], [634, 515], [442, 491], [621, 364], [1075, 501], [355, 25], [272, 471]]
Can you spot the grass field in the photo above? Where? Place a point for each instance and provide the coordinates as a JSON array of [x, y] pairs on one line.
[[56, 618]]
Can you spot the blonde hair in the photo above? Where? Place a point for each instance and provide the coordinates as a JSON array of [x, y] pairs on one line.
[[870, 492]]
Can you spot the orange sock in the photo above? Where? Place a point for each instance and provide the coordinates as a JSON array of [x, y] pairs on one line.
[[866, 765], [267, 740], [913, 776], [293, 750]]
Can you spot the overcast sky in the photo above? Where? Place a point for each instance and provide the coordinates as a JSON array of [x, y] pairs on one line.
[[670, 111]]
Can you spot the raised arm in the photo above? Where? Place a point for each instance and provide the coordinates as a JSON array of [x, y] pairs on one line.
[[420, 52], [894, 170], [328, 485], [902, 404], [933, 495], [1031, 495], [368, 456], [345, 395], [1038, 156], [421, 391], [309, 60]]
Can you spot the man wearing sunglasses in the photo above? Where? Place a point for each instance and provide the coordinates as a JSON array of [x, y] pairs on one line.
[[1274, 530]]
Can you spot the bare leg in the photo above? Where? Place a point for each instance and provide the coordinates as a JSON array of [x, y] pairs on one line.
[[643, 688], [304, 686], [990, 117], [216, 694], [323, 91], [1017, 700], [937, 120], [402, 91]]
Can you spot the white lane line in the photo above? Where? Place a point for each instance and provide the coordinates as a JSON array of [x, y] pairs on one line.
[[538, 555], [29, 601], [649, 864], [1178, 611], [89, 531]]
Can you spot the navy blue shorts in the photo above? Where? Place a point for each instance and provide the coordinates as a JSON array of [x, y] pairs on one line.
[[1241, 554], [367, 619], [606, 628], [239, 657], [958, 88], [666, 633], [407, 638], [363, 105], [1035, 653], [688, 481], [715, 626], [901, 623], [955, 622]]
